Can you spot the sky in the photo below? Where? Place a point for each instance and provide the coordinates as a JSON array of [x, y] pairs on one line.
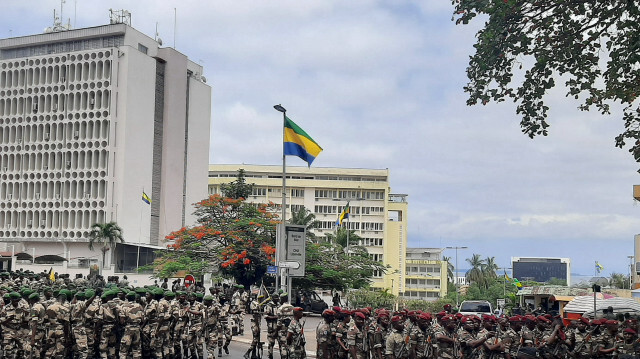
[[379, 84]]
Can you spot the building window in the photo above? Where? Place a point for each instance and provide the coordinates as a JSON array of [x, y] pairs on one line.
[[259, 191], [297, 193], [143, 49]]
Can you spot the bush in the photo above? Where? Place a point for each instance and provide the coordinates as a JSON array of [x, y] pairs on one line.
[[361, 298]]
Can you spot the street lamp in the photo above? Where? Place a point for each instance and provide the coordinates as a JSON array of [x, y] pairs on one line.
[[280, 238], [455, 274]]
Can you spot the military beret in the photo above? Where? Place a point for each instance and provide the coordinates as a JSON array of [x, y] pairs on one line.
[[336, 309], [359, 315], [365, 311], [544, 319], [14, 295], [131, 295], [328, 313], [448, 317], [284, 294], [346, 312], [441, 314], [298, 309], [34, 296], [6, 295], [447, 306], [383, 314], [466, 319], [141, 290], [530, 318], [584, 320], [630, 331], [170, 294], [424, 316], [80, 295], [179, 293], [596, 322], [89, 293], [158, 291], [611, 322], [208, 298], [397, 318], [458, 315], [199, 295]]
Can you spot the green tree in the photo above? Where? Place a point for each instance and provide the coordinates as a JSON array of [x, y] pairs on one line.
[[304, 217], [619, 280], [329, 267], [526, 45], [557, 281], [450, 269], [232, 238], [474, 274], [341, 237], [489, 268], [107, 235], [238, 188]]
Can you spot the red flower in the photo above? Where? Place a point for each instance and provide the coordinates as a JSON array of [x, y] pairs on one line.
[[247, 261]]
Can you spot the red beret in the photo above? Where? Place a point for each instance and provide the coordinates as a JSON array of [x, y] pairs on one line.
[[584, 320], [346, 312], [337, 309], [542, 318], [425, 316], [612, 322], [465, 319], [448, 317], [383, 314], [447, 306], [328, 312], [629, 330], [441, 314], [596, 322], [412, 313], [530, 318], [397, 318], [359, 315], [298, 309], [515, 318], [458, 315]]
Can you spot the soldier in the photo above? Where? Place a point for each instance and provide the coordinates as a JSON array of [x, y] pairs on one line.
[[295, 336], [629, 346], [256, 319], [419, 344], [196, 316], [130, 317], [378, 334], [357, 340], [285, 314], [470, 344], [91, 320], [224, 332], [107, 316], [395, 345], [211, 311], [606, 343], [11, 322], [36, 324], [57, 317], [580, 340], [344, 316], [150, 321], [164, 344], [271, 317], [78, 327], [180, 329], [325, 336], [446, 338]]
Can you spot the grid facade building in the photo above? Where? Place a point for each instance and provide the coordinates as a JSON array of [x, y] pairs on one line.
[[425, 274], [378, 216], [88, 122]]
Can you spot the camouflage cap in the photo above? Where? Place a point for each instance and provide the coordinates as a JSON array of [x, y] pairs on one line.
[[14, 295]]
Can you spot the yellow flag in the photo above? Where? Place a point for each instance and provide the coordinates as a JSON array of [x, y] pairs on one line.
[[52, 275]]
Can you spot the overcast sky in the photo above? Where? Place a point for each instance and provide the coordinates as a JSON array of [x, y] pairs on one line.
[[378, 84]]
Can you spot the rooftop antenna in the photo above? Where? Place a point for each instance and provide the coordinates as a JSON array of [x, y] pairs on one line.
[[57, 22], [119, 17], [175, 21], [157, 37]]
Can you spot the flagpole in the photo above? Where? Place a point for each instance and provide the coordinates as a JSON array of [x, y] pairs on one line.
[[281, 238]]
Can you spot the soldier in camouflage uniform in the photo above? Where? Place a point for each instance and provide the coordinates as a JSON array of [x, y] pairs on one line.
[[295, 336], [448, 346], [256, 319], [150, 321], [164, 344], [130, 316], [11, 320], [224, 332], [419, 345], [78, 327], [357, 338], [37, 327], [57, 318], [395, 345], [378, 333], [325, 336], [285, 314], [107, 316], [580, 339], [181, 327], [271, 317], [195, 340], [211, 310], [91, 321]]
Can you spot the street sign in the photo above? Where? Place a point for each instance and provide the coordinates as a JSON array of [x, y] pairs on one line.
[[296, 249], [290, 264], [272, 269], [189, 280]]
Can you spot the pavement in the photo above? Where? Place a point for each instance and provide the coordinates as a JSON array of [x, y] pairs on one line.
[[311, 322]]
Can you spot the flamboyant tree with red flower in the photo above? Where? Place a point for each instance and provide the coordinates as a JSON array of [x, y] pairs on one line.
[[232, 237]]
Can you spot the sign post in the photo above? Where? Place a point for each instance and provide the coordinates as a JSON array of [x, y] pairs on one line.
[[189, 280]]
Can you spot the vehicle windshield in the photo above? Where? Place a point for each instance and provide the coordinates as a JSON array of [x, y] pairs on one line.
[[475, 307]]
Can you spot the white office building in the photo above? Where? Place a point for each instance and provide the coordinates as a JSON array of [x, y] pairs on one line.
[[89, 119]]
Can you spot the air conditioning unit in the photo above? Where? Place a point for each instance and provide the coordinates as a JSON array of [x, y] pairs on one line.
[[45, 167], [29, 222], [55, 107], [76, 134], [9, 196], [68, 164], [35, 107], [46, 136], [87, 196], [57, 196], [43, 222], [5, 169], [37, 195], [19, 140], [92, 101]]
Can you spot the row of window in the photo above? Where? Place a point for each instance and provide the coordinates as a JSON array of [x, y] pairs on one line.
[[93, 70], [421, 294], [62, 48], [422, 269], [354, 210], [415, 281], [371, 242], [348, 194], [48, 132], [58, 102], [52, 190], [51, 219], [356, 226], [49, 161]]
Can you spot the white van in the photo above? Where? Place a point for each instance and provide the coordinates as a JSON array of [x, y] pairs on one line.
[[477, 307]]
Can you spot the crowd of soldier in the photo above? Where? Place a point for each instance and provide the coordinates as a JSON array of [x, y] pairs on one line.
[[62, 319], [380, 334]]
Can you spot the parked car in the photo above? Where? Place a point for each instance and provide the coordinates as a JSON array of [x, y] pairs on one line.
[[477, 307], [310, 301]]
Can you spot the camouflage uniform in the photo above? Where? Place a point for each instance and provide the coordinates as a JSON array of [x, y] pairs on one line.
[[270, 309], [196, 337], [79, 329], [108, 316], [581, 343], [37, 323], [57, 318], [181, 328], [224, 332], [11, 325], [357, 338], [395, 345], [445, 349], [324, 335], [418, 342], [296, 349], [164, 345], [210, 322], [148, 334], [131, 315], [91, 321], [285, 314]]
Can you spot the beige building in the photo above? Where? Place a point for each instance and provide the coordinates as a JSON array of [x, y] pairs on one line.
[[425, 274], [377, 216]]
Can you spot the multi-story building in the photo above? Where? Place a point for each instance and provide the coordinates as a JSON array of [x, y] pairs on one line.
[[89, 120], [426, 274], [377, 216], [541, 269]]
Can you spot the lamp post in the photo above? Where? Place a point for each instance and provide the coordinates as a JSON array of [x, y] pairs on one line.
[[280, 238], [455, 269]]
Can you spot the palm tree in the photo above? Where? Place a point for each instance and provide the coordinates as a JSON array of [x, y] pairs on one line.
[[304, 217], [108, 235], [619, 280], [489, 268], [475, 275], [450, 269]]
